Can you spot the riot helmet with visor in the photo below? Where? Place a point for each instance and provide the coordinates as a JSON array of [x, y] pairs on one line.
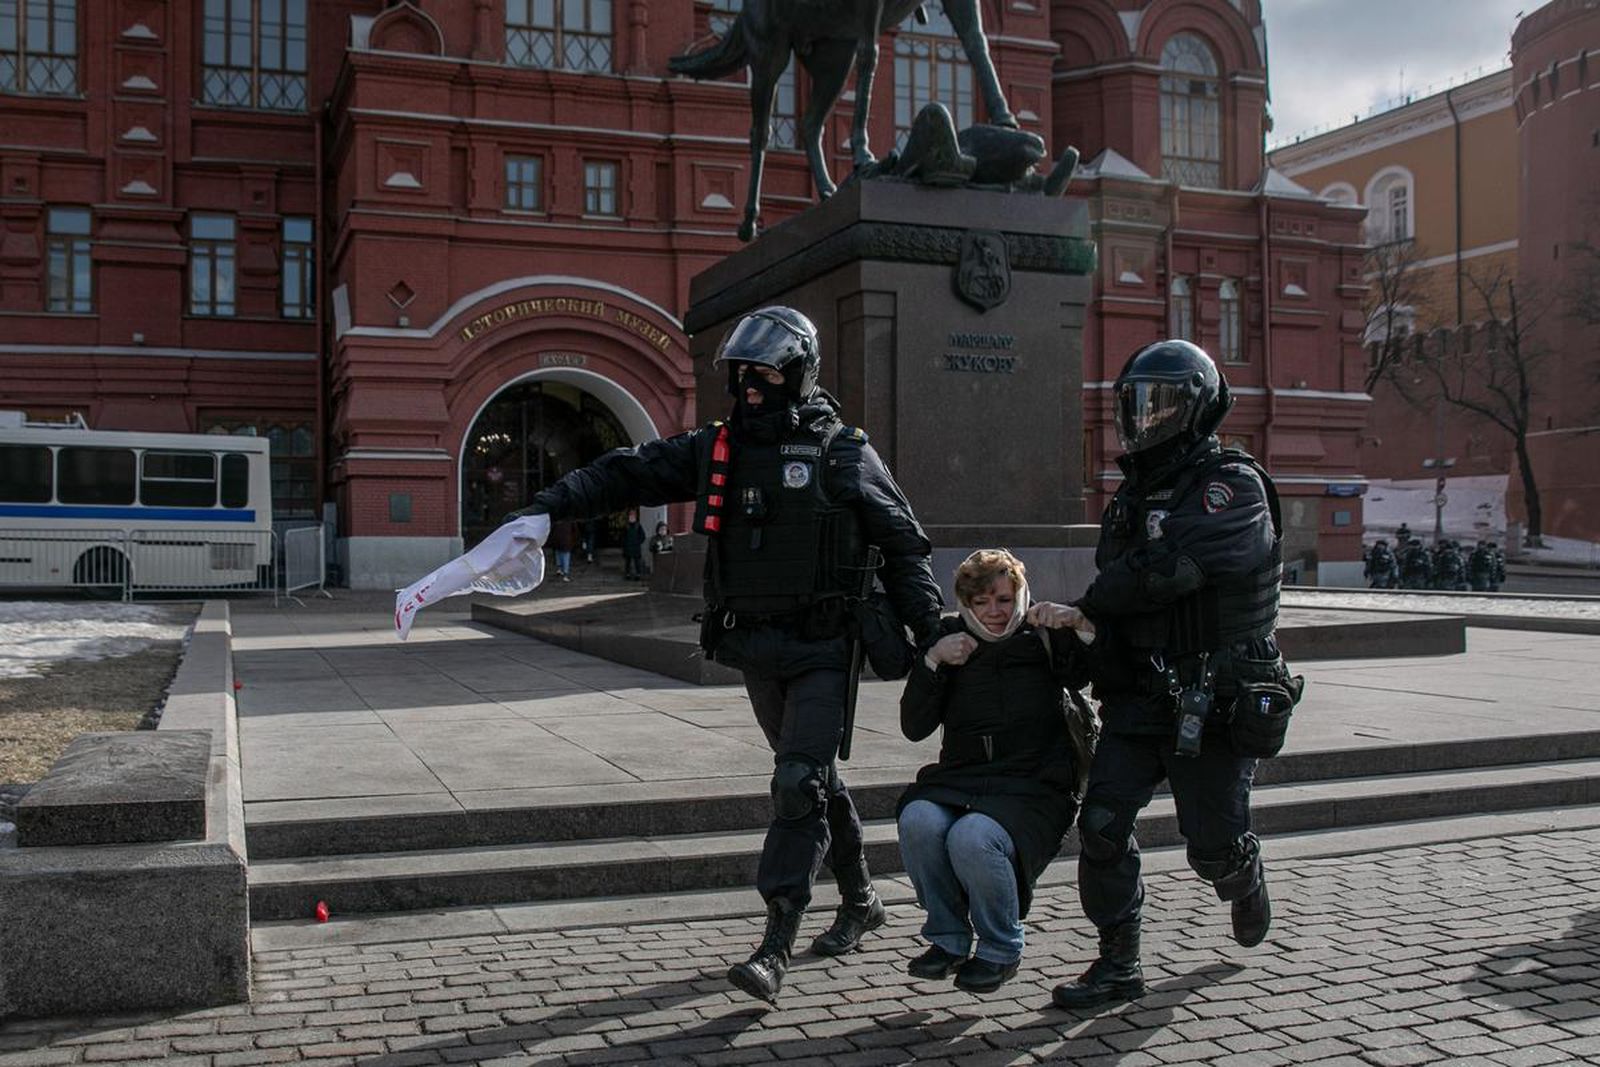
[[777, 337], [1169, 391]]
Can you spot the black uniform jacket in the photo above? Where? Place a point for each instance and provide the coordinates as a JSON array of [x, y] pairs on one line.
[[667, 471], [1005, 750], [1166, 534]]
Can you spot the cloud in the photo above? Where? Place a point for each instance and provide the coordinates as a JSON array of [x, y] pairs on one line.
[[1330, 60]]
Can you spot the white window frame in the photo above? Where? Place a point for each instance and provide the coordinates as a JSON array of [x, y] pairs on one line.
[[1230, 322], [1379, 200]]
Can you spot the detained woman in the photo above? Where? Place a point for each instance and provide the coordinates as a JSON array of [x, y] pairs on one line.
[[979, 826]]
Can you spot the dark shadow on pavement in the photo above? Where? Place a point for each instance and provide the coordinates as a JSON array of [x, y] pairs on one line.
[[1564, 971]]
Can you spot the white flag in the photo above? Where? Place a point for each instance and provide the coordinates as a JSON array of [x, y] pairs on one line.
[[508, 562]]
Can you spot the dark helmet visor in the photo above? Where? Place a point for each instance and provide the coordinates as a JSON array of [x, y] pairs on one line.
[[1149, 413], [760, 339]]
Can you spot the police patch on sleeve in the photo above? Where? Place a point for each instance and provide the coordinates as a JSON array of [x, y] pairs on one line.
[[1218, 495], [796, 475], [1152, 524]]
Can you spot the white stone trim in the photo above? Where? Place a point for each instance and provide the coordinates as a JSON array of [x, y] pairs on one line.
[[1256, 390], [1489, 94], [505, 286], [398, 455], [632, 414], [544, 127], [147, 350]]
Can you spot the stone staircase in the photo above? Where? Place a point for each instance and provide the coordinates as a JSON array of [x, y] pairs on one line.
[[371, 856]]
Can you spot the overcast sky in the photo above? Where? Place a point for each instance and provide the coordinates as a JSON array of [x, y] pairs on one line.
[[1330, 60]]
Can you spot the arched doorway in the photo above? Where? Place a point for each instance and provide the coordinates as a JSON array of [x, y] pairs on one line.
[[529, 435]]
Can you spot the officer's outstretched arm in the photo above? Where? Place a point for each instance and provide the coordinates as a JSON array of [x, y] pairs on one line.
[[654, 473], [860, 479]]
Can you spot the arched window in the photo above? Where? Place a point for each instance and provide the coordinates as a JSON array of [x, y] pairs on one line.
[[1180, 322], [1191, 113], [1389, 215], [1339, 193], [1230, 331], [929, 67]]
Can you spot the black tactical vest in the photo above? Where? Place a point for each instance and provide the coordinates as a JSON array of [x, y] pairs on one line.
[[784, 545], [1222, 613]]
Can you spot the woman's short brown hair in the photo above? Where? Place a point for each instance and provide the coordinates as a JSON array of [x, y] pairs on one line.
[[979, 570]]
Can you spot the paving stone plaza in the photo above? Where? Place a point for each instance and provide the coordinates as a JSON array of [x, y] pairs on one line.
[[1432, 836]]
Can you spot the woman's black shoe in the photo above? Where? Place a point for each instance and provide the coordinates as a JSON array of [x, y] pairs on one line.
[[934, 963], [985, 976]]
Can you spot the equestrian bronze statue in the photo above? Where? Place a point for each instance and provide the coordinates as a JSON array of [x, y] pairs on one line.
[[828, 36]]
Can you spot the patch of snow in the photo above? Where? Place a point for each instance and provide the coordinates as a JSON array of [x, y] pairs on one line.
[[35, 633], [1475, 508], [1460, 604]]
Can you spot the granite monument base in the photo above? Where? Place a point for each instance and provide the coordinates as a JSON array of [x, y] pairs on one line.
[[134, 921], [951, 331]]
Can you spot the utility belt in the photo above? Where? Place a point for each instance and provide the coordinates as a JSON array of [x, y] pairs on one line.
[[1259, 698], [822, 620]]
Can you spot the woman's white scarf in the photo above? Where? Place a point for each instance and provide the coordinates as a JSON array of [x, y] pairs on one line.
[[1019, 612]]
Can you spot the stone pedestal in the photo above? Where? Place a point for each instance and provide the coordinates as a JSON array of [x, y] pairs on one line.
[[951, 324]]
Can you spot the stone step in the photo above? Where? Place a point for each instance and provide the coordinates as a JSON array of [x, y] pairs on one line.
[[331, 827], [411, 881]]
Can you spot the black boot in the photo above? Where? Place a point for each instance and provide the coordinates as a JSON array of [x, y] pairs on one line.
[[762, 974], [860, 911], [1115, 976], [1252, 914]]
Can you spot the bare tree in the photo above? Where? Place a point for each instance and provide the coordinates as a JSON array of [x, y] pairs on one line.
[[1393, 292], [1489, 369]]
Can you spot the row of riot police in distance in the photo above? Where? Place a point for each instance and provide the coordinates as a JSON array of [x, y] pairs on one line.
[[1446, 566]]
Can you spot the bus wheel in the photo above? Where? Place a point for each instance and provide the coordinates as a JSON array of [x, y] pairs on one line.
[[101, 572]]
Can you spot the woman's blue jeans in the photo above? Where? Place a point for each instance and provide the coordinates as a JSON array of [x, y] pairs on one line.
[[960, 863]]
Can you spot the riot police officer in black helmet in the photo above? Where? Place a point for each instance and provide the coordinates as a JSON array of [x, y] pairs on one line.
[[800, 516], [1183, 659]]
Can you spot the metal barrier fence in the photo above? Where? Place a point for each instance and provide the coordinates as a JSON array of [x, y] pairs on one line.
[[304, 563], [123, 563], [208, 560], [84, 559]]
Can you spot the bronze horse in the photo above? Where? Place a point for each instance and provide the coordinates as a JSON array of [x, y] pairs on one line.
[[828, 36]]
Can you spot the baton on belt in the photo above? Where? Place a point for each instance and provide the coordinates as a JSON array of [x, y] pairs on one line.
[[852, 679]]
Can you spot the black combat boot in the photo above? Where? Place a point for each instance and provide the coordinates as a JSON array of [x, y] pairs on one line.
[[762, 974], [1252, 914], [1115, 976], [860, 911]]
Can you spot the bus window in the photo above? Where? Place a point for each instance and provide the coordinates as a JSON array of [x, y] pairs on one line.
[[25, 474], [94, 476], [235, 480], [179, 480]]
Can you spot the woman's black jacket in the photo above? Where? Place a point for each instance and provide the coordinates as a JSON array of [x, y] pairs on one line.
[[1005, 751]]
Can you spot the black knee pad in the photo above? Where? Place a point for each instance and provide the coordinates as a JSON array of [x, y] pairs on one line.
[[1234, 871], [1103, 834], [799, 790]]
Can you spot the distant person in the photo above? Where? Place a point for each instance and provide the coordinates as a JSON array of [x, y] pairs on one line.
[[660, 544], [1381, 571], [978, 827], [1416, 566], [1480, 567], [1499, 570], [1402, 536], [633, 548], [590, 543], [563, 539]]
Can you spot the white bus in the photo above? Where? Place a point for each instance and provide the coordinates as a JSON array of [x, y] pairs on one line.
[[121, 510]]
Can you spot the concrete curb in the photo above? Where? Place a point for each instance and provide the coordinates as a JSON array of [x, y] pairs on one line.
[[107, 928], [1482, 620]]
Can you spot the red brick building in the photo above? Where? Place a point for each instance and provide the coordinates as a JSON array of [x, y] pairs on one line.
[[1555, 66], [437, 251]]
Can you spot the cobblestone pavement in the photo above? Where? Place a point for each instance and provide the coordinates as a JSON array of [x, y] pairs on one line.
[[1476, 952]]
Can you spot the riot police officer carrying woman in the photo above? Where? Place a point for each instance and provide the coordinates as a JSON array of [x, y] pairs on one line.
[[800, 516], [1184, 662]]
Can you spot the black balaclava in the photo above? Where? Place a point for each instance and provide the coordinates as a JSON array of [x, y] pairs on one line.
[[769, 420]]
